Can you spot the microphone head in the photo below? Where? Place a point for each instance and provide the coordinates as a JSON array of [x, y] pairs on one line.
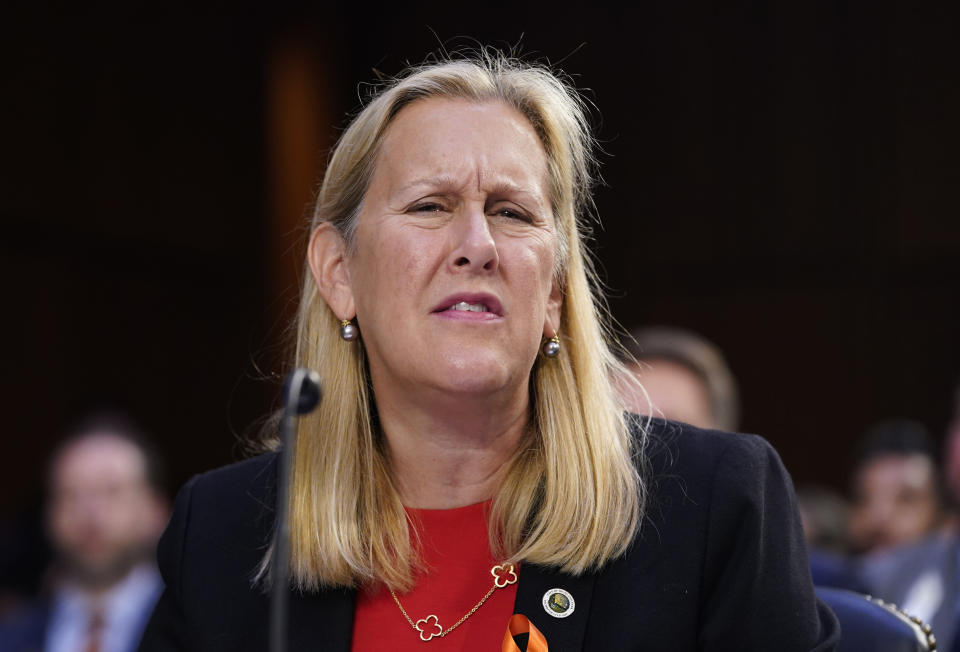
[[302, 387], [310, 392]]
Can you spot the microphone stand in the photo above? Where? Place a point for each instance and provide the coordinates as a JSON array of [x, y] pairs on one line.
[[301, 395]]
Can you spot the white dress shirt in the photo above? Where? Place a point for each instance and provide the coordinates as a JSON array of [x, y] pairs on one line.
[[125, 609]]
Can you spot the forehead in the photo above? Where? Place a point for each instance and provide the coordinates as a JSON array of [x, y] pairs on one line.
[[96, 458], [461, 139], [897, 470]]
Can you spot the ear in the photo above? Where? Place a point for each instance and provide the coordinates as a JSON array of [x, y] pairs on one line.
[[327, 256], [551, 324]]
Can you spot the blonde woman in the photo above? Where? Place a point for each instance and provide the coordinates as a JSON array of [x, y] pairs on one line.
[[470, 459]]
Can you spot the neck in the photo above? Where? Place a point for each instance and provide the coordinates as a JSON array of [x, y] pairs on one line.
[[448, 452], [95, 585]]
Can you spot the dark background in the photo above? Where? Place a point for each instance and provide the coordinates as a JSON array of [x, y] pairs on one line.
[[781, 177]]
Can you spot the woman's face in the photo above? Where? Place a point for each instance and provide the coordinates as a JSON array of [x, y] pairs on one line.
[[452, 270]]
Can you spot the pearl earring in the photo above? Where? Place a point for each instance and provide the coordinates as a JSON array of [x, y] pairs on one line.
[[348, 332], [551, 348]]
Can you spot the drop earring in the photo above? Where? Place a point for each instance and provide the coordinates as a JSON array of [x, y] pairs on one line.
[[348, 332], [551, 348]]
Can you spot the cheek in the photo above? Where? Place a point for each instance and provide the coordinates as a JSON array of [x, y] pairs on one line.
[[58, 524], [535, 256], [367, 267], [532, 283], [415, 260], [546, 274], [389, 268]]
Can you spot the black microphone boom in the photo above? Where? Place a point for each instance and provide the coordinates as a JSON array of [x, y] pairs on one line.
[[301, 394]]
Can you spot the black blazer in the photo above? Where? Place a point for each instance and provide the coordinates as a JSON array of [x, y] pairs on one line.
[[719, 564]]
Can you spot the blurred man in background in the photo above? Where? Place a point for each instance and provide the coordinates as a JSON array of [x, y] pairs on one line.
[[685, 377], [900, 519], [105, 512], [898, 495]]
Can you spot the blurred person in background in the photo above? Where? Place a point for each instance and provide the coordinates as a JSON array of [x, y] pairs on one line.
[[105, 512], [684, 377], [898, 496], [899, 521]]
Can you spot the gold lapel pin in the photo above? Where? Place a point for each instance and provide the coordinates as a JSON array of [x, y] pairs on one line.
[[558, 603]]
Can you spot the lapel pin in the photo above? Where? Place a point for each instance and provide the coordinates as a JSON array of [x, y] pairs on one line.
[[558, 603]]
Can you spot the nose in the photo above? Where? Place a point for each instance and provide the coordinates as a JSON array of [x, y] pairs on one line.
[[474, 247]]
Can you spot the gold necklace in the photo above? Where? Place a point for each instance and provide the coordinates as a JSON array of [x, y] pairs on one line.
[[432, 622]]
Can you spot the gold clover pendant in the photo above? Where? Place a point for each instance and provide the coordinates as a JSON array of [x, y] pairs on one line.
[[503, 575], [426, 636], [429, 628]]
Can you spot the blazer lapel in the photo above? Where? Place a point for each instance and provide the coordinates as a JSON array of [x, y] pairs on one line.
[[563, 634], [321, 621]]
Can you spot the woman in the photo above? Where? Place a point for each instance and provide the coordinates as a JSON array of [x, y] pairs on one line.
[[470, 459]]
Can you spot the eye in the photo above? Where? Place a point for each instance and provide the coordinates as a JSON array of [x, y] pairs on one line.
[[513, 214], [427, 207], [429, 204]]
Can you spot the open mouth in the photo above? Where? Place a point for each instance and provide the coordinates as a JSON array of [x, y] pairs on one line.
[[471, 303], [469, 307]]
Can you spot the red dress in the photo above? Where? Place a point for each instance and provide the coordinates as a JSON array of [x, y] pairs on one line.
[[456, 553]]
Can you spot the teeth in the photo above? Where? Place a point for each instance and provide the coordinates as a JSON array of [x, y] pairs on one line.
[[470, 307]]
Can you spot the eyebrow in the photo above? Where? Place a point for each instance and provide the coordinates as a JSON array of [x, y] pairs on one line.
[[446, 181], [443, 181]]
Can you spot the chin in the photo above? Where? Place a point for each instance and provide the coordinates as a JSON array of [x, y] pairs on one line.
[[472, 387], [101, 570], [473, 375]]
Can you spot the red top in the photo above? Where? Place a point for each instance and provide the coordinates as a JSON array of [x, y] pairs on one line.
[[456, 552]]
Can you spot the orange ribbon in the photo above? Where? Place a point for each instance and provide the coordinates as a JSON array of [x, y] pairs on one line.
[[519, 624]]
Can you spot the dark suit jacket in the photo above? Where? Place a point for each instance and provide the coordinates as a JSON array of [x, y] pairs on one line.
[[719, 564], [25, 630], [893, 575]]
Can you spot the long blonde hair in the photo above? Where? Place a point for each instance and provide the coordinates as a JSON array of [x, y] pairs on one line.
[[572, 496]]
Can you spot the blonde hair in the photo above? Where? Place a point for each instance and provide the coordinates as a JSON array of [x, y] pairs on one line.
[[572, 496]]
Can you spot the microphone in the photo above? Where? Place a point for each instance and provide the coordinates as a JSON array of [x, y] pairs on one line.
[[301, 395]]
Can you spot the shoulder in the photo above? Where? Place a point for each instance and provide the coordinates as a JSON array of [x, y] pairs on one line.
[[222, 521], [234, 492], [715, 494], [671, 449], [249, 481], [252, 475], [720, 543], [209, 557], [706, 482], [893, 572]]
